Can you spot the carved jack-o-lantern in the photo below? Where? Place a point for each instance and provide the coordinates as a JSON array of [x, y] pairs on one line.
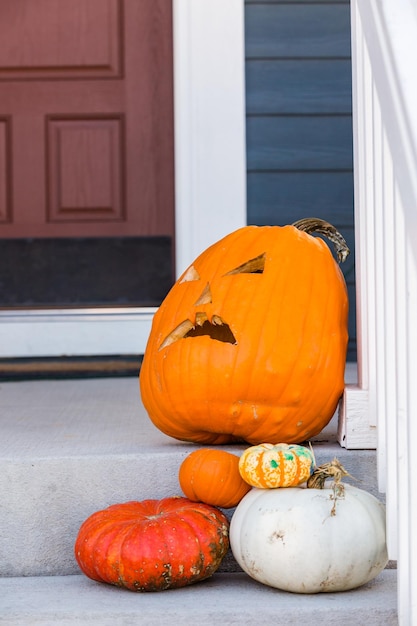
[[250, 343]]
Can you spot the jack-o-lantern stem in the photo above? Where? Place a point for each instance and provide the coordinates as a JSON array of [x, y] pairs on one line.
[[315, 225]]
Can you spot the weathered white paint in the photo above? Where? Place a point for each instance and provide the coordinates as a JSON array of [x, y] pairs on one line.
[[384, 38], [353, 427], [210, 180]]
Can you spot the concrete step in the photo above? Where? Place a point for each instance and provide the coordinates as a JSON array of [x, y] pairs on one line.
[[69, 448], [223, 599]]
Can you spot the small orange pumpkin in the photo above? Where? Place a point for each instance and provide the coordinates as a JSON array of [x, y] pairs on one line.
[[212, 476], [268, 466], [250, 343]]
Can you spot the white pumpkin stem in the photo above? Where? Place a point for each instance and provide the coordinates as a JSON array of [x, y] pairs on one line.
[[334, 470], [316, 225]]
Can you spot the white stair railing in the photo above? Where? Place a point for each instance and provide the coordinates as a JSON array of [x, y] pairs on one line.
[[384, 47]]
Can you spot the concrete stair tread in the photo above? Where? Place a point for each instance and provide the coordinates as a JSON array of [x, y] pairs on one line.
[[224, 598], [69, 448]]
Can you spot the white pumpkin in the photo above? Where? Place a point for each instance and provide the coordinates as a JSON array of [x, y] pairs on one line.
[[303, 540]]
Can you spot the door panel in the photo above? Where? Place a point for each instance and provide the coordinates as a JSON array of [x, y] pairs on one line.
[[79, 153], [54, 38], [86, 122]]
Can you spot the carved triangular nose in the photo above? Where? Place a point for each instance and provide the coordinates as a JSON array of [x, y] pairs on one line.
[[205, 297]]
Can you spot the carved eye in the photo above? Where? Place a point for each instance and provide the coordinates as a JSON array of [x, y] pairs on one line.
[[190, 275], [253, 266]]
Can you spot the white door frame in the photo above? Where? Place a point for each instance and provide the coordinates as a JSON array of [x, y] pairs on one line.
[[210, 181]]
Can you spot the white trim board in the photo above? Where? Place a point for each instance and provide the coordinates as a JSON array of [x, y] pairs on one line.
[[210, 126], [210, 181], [74, 332]]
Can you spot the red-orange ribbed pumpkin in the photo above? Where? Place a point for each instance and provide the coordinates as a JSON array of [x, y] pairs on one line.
[[153, 545], [250, 343]]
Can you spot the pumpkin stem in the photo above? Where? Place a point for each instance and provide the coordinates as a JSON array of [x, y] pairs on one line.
[[334, 470], [316, 225]]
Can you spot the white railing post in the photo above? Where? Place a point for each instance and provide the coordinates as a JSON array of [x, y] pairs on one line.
[[357, 426], [384, 41]]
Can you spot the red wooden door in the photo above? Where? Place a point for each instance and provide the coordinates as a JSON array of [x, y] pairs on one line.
[[86, 140]]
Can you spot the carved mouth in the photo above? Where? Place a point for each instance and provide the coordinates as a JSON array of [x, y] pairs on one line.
[[215, 328]]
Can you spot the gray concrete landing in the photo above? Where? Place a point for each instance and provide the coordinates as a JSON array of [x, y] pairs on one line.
[[224, 599]]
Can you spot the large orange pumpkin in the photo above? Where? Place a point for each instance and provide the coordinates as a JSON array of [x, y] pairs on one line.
[[250, 343]]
